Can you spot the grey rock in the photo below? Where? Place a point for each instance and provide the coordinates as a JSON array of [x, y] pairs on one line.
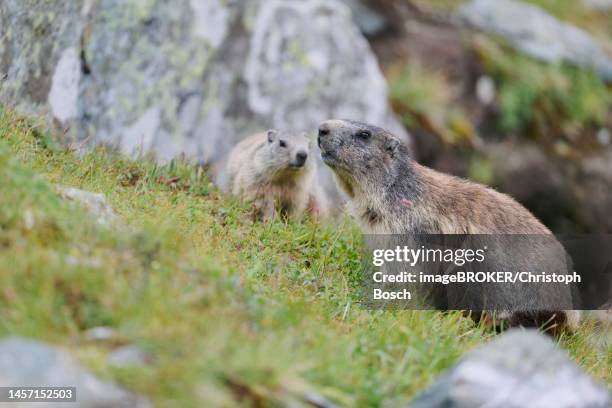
[[187, 78], [485, 90], [101, 333], [26, 363], [602, 5], [521, 368], [130, 355], [34, 39], [64, 93], [94, 203], [369, 21], [538, 34], [603, 136]]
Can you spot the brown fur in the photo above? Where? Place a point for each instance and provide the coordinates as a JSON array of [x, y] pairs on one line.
[[392, 194]]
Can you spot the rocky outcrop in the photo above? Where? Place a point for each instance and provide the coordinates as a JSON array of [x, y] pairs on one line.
[[187, 77], [518, 369], [602, 5], [28, 363], [537, 33], [369, 21]]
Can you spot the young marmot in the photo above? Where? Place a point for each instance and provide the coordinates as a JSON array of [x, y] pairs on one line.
[[389, 193], [275, 171]]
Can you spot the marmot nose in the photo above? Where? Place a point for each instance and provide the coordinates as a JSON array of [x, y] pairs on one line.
[[300, 158]]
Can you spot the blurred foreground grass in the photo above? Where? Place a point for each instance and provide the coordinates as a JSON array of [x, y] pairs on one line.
[[230, 311]]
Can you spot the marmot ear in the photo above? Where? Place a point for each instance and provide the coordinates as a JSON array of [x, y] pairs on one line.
[[272, 135], [392, 145]]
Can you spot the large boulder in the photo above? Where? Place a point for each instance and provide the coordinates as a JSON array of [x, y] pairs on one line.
[[602, 5], [522, 368], [187, 77], [29, 363], [538, 34]]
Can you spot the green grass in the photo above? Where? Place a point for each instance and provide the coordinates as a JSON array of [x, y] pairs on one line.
[[540, 99], [424, 99], [229, 310], [543, 101]]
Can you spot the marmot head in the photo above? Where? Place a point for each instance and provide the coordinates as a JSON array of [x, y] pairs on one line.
[[362, 156], [286, 151]]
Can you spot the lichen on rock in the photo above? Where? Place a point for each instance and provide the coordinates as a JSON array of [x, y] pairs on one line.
[[201, 75], [33, 38]]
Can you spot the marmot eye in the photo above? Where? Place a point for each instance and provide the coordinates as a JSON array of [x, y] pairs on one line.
[[364, 134], [282, 143]]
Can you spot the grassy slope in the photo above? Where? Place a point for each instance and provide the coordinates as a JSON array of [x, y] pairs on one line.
[[226, 307]]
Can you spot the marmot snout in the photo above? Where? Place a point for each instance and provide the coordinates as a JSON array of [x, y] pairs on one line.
[[276, 171]]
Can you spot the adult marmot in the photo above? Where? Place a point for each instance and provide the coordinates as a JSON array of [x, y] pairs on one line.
[[392, 194], [276, 171]]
